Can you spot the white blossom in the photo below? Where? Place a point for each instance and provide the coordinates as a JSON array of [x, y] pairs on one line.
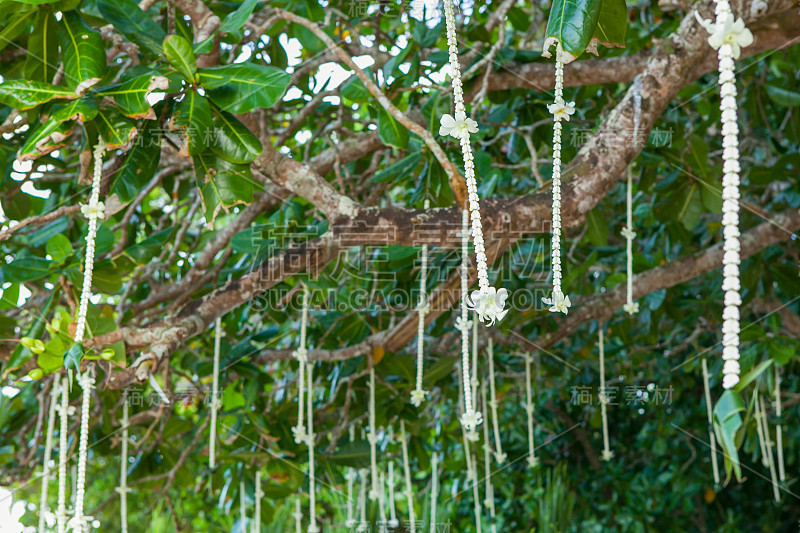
[[561, 110], [459, 126], [559, 303], [94, 210], [489, 303], [727, 30]]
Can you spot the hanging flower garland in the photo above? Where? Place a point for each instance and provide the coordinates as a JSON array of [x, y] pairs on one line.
[[630, 306], [372, 437], [561, 110], [434, 490], [470, 419], [298, 515], [63, 413], [487, 301], [48, 451], [215, 400], [393, 521], [301, 355], [607, 454], [313, 527], [407, 472], [123, 489], [423, 308], [728, 36], [499, 455], [533, 462]]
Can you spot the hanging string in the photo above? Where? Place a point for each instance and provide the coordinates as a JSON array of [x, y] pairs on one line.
[[466, 438], [393, 521], [259, 494], [532, 460], [48, 451], [372, 437], [779, 427], [350, 477], [215, 400], [627, 232], [63, 413], [407, 472], [242, 511], [499, 456], [313, 527], [434, 489], [381, 499], [487, 467], [418, 394], [301, 355], [362, 501], [768, 443], [298, 515], [711, 436], [760, 432], [607, 453], [123, 489], [470, 419]]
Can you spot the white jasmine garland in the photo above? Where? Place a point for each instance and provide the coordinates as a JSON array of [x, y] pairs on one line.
[[372, 437], [407, 471], [607, 454], [215, 401], [529, 408], [301, 355], [87, 383], [487, 301], [418, 395], [711, 436], [470, 419], [313, 527], [728, 36], [48, 451], [393, 521], [63, 414], [558, 302], [499, 456], [434, 490], [123, 489]]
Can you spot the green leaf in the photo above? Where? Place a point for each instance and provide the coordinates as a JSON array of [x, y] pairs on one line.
[[73, 356], [128, 19], [83, 110], [689, 205], [21, 353], [354, 454], [24, 94], [697, 154], [438, 370], [727, 422], [390, 131], [236, 19], [47, 138], [194, 115], [612, 24], [597, 228], [25, 269], [9, 297], [141, 163], [16, 25], [354, 90], [752, 374], [570, 27], [41, 60], [142, 252], [398, 169], [222, 184], [59, 248], [242, 87], [232, 140], [84, 55], [180, 55], [131, 96], [783, 97], [116, 131]]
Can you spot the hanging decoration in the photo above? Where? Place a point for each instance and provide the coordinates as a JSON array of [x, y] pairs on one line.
[[630, 306], [607, 454], [298, 515], [728, 36], [711, 436], [533, 462], [362, 500], [487, 301], [381, 498], [372, 437], [470, 419], [472, 477], [418, 395], [258, 495], [242, 510], [558, 302], [350, 477], [301, 355], [407, 471], [499, 455], [487, 470], [779, 427], [48, 451], [215, 400], [123, 489], [434, 490], [393, 521], [63, 414], [313, 527]]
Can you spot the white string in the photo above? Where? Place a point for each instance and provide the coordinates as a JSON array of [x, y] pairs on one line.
[[215, 400], [760, 432], [362, 501], [242, 511], [487, 473], [499, 456], [48, 451], [529, 407], [259, 494], [61, 514], [607, 453], [407, 472], [313, 527], [298, 515], [123, 489], [711, 436], [469, 419], [434, 489], [393, 521], [418, 394], [472, 477], [301, 355], [350, 477], [372, 437], [779, 428]]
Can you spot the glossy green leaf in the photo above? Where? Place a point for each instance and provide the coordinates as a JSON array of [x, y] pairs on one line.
[[222, 184], [354, 454], [727, 421], [570, 27], [19, 22], [131, 96], [45, 139], [25, 94], [232, 140], [142, 252], [59, 248], [193, 114], [73, 356], [783, 97], [597, 228], [180, 55], [133, 23], [612, 24], [9, 296], [116, 130], [242, 87], [41, 61], [83, 110], [25, 269], [391, 131], [753, 374], [141, 163], [234, 21], [22, 353], [83, 53], [689, 205]]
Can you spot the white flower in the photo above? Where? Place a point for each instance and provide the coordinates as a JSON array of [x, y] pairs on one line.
[[489, 304], [628, 233], [418, 396], [533, 461], [463, 325], [631, 308], [729, 31], [300, 434], [459, 127], [607, 455], [470, 421], [94, 210], [301, 354], [559, 303], [562, 110]]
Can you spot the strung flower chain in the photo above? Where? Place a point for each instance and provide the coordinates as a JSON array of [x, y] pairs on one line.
[[215, 403], [529, 408], [779, 427], [423, 308], [123, 489], [412, 520], [727, 37], [434, 490], [372, 437], [87, 383], [487, 468], [257, 512], [301, 354], [470, 419], [313, 527], [630, 306], [487, 301], [63, 413], [499, 456], [48, 451], [711, 436], [393, 521], [607, 454], [558, 302]]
